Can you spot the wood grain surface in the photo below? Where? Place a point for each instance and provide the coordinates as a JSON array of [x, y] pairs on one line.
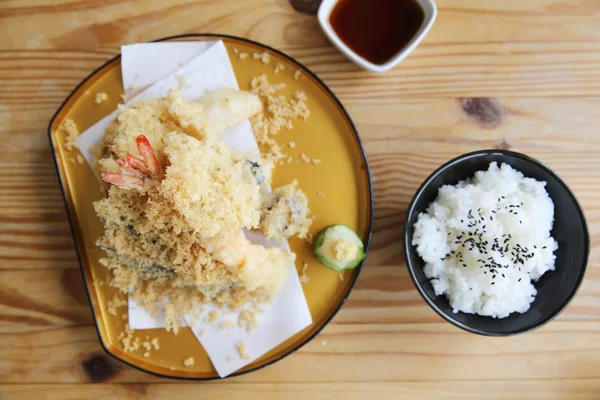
[[513, 74]]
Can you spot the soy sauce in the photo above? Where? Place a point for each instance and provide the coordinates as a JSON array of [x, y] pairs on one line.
[[376, 29]]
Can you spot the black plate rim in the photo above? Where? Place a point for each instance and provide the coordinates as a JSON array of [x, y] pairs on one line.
[[408, 244], [367, 239]]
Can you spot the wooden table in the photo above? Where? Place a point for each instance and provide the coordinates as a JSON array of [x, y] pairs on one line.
[[537, 60]]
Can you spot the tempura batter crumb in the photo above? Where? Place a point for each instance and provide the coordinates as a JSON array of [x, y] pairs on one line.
[[247, 319], [278, 67], [128, 341], [309, 238], [116, 302], [303, 277], [182, 82], [100, 98], [69, 128], [171, 319], [213, 316], [189, 362], [241, 348], [264, 57], [279, 113], [227, 325]]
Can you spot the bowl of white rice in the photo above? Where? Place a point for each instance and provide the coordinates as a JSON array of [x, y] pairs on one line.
[[496, 243]]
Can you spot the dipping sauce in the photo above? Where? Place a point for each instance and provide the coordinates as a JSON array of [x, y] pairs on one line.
[[376, 30]]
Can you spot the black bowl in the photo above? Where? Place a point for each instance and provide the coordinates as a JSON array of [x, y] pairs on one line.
[[555, 288]]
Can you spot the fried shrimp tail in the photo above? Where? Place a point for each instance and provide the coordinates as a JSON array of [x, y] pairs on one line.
[[137, 174]]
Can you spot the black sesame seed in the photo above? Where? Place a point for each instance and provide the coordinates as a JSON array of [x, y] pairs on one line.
[[519, 279], [493, 283]]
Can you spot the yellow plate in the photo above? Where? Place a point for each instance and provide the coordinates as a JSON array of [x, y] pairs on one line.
[[338, 190]]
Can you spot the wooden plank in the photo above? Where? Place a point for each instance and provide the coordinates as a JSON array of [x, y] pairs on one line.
[[361, 352], [573, 389], [32, 238], [535, 48], [66, 24], [444, 70], [40, 299], [36, 300]]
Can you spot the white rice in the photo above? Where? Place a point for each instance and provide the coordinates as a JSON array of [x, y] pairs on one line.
[[522, 214]]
